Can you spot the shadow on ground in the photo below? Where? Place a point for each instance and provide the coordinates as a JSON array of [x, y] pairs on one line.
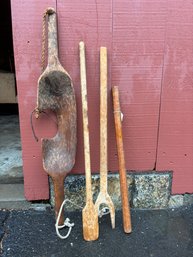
[[157, 233]]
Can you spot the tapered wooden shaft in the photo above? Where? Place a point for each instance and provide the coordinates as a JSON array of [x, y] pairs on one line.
[[85, 121], [90, 212], [58, 183], [103, 119], [103, 197], [122, 170]]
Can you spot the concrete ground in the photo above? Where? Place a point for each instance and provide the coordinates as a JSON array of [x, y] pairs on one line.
[[10, 150], [156, 233]]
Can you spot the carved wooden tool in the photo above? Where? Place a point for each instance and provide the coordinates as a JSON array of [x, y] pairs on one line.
[[89, 213], [103, 197], [55, 92], [121, 157]]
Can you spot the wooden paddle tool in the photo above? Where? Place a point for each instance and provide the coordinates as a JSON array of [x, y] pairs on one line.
[[103, 197], [89, 213], [56, 93], [122, 171]]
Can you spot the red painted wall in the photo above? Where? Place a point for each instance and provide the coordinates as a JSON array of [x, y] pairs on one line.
[[27, 31], [150, 49], [175, 144]]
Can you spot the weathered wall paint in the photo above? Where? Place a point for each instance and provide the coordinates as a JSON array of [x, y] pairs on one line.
[[27, 34], [90, 21], [175, 145], [137, 61], [149, 45]]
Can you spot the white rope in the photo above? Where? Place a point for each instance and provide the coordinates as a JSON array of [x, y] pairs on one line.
[[102, 212], [66, 222]]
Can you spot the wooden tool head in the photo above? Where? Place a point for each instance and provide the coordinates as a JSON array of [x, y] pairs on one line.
[[56, 93], [90, 222]]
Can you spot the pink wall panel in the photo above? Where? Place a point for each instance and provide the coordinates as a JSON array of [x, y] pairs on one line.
[[175, 149], [150, 58], [90, 21], [27, 30], [137, 61]]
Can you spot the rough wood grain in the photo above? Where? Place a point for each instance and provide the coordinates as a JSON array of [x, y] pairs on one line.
[[56, 93], [104, 197], [89, 213], [122, 171]]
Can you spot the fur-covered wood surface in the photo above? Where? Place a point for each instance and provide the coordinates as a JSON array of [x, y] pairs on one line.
[[56, 93]]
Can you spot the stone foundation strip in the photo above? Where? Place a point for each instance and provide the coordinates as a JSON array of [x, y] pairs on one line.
[[147, 190]]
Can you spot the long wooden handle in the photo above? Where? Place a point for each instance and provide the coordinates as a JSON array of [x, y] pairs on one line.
[[122, 170], [85, 121], [52, 36], [58, 183], [103, 119]]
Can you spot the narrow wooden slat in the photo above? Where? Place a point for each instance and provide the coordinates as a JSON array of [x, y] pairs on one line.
[[89, 213], [104, 197]]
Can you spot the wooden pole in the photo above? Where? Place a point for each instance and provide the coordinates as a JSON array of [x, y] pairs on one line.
[[104, 197], [121, 157], [90, 212]]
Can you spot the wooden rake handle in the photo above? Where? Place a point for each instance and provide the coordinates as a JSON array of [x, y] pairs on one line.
[[122, 170], [103, 197], [85, 120], [103, 117]]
